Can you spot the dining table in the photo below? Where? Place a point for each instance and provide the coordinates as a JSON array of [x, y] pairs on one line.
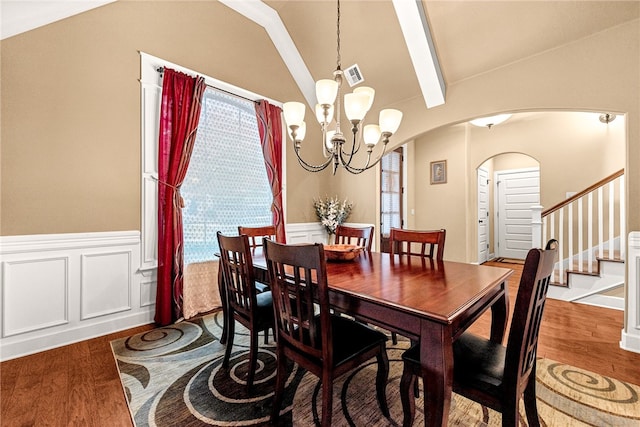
[[431, 302]]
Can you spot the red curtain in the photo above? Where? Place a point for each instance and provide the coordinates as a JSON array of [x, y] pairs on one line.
[[179, 115], [270, 127]]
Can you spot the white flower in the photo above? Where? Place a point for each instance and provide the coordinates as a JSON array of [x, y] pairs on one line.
[[331, 212]]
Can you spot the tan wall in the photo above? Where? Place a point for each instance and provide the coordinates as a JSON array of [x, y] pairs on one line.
[[70, 109], [561, 143], [509, 161], [576, 77]]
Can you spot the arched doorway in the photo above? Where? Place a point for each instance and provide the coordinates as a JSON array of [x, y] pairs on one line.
[[508, 185]]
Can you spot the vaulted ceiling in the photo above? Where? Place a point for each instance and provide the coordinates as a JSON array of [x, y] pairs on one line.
[[469, 37]]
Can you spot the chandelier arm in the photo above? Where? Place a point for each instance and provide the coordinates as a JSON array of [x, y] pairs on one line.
[[354, 147], [310, 167], [355, 170], [334, 151]]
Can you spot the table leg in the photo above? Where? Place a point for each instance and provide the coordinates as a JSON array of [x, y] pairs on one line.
[[499, 314], [436, 358]]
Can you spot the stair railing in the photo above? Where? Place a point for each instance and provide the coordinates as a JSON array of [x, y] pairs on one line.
[[595, 214]]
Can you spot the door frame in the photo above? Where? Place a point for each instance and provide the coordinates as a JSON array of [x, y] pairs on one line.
[[488, 207], [496, 201]]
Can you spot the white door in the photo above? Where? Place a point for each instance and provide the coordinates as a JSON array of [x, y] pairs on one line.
[[483, 215], [517, 191]]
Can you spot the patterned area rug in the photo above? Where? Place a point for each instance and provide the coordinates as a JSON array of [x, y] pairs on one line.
[[172, 376]]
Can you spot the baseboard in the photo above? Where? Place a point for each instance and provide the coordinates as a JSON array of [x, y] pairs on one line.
[[49, 340], [630, 342]]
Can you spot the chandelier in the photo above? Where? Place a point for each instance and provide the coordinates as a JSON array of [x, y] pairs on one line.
[[336, 150]]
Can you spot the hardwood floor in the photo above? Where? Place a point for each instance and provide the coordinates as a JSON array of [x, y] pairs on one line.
[[581, 335], [78, 384]]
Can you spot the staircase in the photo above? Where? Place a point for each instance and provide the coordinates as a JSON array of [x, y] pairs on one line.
[[589, 227]]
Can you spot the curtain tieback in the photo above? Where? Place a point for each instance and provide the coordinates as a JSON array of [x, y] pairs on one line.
[[178, 201]]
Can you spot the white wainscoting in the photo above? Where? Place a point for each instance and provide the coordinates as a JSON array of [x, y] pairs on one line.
[[63, 288], [631, 332], [314, 232]]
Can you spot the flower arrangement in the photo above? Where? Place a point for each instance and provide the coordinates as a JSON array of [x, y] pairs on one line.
[[332, 212]]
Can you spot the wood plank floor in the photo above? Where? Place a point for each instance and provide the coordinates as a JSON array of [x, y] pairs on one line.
[[78, 385]]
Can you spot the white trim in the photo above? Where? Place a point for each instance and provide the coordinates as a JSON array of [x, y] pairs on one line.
[[631, 333], [63, 288], [149, 74], [151, 92]]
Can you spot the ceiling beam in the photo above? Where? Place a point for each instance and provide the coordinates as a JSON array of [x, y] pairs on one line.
[[20, 16], [417, 35], [266, 17]]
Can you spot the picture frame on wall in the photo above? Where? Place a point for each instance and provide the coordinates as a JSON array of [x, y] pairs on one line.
[[439, 172]]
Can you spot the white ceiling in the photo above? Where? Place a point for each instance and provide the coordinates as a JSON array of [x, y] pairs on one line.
[[470, 37]]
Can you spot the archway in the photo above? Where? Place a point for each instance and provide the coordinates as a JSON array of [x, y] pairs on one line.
[[508, 185]]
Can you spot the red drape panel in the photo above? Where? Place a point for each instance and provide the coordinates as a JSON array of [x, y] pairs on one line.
[[179, 115], [270, 127]]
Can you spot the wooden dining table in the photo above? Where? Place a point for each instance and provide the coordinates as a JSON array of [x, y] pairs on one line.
[[428, 301]]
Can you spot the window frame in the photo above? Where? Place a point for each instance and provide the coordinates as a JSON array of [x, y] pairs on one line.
[[150, 99]]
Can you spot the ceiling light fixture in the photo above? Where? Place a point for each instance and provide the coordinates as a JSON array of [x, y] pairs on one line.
[[607, 118], [490, 121], [334, 144]]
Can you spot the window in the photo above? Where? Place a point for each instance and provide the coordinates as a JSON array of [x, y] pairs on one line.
[[226, 184], [390, 195]]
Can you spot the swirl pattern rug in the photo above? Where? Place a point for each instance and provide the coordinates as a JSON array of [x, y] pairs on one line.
[[172, 376]]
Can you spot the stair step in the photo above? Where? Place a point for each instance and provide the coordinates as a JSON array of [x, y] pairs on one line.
[[575, 268]]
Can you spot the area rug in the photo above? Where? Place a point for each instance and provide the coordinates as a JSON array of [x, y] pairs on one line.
[[172, 376]]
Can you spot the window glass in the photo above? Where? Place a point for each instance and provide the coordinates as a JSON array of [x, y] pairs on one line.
[[391, 192], [226, 184]]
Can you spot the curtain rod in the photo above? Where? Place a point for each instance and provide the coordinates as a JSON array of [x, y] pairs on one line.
[[161, 70]]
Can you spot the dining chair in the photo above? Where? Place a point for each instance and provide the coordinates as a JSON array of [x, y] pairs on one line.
[[256, 234], [404, 242], [243, 303], [325, 344], [488, 372], [359, 236]]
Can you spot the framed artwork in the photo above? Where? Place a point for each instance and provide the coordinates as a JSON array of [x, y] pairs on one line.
[[439, 172]]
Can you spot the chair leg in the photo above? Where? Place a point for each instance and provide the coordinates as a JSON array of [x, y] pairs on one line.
[[407, 397], [229, 342], [394, 338], [530, 403], [281, 376], [253, 358], [381, 380], [327, 399], [510, 414]]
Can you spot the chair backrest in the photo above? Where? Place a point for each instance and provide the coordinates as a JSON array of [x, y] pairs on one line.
[[236, 266], [298, 280], [403, 242], [256, 234], [360, 236], [527, 314]]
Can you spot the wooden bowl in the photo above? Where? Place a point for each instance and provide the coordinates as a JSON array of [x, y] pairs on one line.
[[342, 252]]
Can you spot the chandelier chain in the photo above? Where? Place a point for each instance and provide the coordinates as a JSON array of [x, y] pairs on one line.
[[338, 37]]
